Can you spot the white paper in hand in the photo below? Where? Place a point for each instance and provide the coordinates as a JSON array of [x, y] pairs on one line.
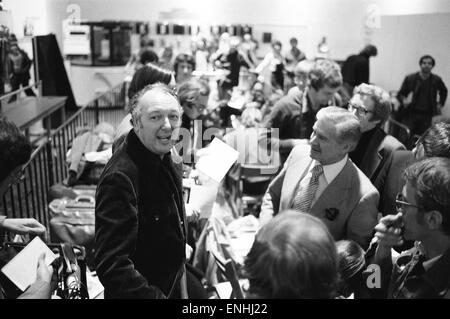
[[217, 159], [202, 197], [22, 269]]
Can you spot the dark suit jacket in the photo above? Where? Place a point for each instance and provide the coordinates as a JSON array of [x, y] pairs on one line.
[[393, 181], [140, 223], [350, 194], [377, 160], [355, 70]]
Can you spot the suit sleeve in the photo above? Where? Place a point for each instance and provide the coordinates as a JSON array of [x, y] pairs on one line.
[[363, 219], [380, 182], [116, 231], [271, 200]]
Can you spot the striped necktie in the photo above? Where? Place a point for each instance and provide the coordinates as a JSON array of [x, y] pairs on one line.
[[305, 195]]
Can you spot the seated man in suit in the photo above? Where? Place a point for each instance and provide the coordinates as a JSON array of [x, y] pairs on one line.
[[374, 152], [321, 180]]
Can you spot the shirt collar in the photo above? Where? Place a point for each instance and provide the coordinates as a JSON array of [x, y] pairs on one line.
[[332, 170]]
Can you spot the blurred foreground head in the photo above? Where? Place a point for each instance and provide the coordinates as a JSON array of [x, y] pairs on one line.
[[293, 256]]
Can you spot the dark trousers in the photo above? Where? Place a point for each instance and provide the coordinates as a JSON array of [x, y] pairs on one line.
[[17, 80]]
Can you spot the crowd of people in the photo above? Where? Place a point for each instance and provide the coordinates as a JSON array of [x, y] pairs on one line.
[[346, 196]]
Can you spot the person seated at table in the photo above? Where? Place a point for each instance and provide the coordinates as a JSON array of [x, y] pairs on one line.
[[15, 151], [293, 256]]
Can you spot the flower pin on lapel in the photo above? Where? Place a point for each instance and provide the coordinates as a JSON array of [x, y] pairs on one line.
[[331, 213]]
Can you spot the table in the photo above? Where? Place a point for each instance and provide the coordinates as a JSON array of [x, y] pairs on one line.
[[29, 110]]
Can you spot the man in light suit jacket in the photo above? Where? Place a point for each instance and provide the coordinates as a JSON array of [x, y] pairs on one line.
[[321, 180]]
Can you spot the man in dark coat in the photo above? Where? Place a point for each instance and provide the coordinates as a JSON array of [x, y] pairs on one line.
[[374, 153], [419, 96], [355, 69], [140, 216]]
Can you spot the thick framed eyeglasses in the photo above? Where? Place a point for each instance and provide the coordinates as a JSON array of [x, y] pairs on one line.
[[400, 202], [361, 110]]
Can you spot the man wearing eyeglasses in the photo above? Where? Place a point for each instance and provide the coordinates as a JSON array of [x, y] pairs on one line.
[[423, 216], [373, 154]]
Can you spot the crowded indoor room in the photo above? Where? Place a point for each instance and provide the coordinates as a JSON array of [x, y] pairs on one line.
[[254, 149]]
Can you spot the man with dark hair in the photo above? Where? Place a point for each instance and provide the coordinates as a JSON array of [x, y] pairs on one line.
[[294, 115], [148, 56], [373, 154], [355, 69], [326, 184], [183, 66], [423, 216], [419, 94], [293, 256], [140, 228], [15, 151]]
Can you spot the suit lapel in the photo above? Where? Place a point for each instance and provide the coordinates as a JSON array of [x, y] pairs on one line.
[[335, 192], [372, 157]]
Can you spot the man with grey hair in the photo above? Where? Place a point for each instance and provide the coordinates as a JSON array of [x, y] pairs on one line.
[[140, 232], [326, 184], [373, 154]]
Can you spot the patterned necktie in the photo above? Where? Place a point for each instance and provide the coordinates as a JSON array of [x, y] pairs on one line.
[[305, 195]]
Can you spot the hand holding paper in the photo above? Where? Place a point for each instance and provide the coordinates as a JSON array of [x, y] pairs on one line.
[[22, 270]]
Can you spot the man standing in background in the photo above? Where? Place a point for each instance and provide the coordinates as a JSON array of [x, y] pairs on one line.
[[355, 69], [419, 96]]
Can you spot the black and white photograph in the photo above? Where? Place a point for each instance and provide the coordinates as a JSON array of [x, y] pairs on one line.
[[224, 154]]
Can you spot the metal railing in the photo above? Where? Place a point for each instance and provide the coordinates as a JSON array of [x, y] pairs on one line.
[[38, 86], [8, 97], [47, 165]]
